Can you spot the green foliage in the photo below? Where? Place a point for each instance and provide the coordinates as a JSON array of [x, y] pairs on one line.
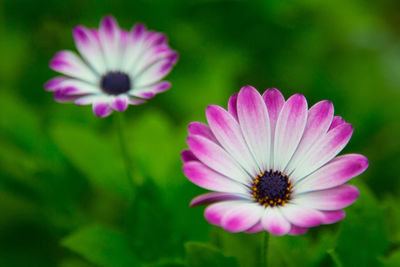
[[95, 156], [62, 176], [101, 246], [200, 254], [362, 238]]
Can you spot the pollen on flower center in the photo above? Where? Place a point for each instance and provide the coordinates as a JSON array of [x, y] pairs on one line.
[[272, 188], [115, 83]]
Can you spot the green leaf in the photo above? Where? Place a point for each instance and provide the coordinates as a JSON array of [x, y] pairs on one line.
[[101, 246], [392, 218], [155, 144], [245, 247], [96, 156], [202, 254], [393, 260], [362, 238], [21, 124], [149, 221], [290, 250]]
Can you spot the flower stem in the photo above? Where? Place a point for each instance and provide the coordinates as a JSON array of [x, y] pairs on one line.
[[119, 120], [264, 249]]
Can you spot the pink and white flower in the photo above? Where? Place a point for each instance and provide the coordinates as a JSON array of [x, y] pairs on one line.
[[118, 67], [272, 163]]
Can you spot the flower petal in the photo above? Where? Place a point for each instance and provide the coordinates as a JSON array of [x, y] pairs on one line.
[[323, 151], [330, 199], [66, 94], [90, 99], [302, 216], [337, 120], [68, 63], [333, 216], [203, 176], [296, 230], [150, 91], [255, 125], [198, 128], [228, 133], [336, 172], [213, 197], [318, 121], [110, 38], [135, 101], [255, 228], [289, 130], [54, 83], [152, 55], [216, 158], [187, 156], [232, 106], [101, 109], [274, 221], [89, 47], [242, 217], [153, 73], [120, 103], [81, 87], [216, 211], [274, 101]]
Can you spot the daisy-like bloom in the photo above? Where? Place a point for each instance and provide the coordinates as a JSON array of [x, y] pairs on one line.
[[271, 163], [118, 67]]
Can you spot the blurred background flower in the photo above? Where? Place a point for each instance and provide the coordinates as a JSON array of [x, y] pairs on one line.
[[120, 67], [64, 197]]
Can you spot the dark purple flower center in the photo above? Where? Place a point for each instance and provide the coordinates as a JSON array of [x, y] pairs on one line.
[[115, 83], [272, 188]]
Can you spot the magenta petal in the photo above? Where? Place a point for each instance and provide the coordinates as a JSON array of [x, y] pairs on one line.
[[138, 30], [151, 91], [274, 101], [242, 217], [153, 73], [228, 133], [333, 216], [255, 229], [296, 230], [198, 128], [101, 109], [330, 199], [302, 216], [120, 103], [255, 125], [337, 120], [336, 172], [325, 149], [216, 211], [187, 156], [89, 48], [232, 106], [289, 130], [109, 25], [214, 197], [53, 84], [216, 158], [274, 222], [70, 64], [318, 121], [67, 94], [110, 40], [203, 176]]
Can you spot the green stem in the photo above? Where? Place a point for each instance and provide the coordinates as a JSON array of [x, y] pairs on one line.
[[264, 249], [125, 155]]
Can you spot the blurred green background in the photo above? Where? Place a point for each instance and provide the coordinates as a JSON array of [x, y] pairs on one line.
[[64, 196]]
